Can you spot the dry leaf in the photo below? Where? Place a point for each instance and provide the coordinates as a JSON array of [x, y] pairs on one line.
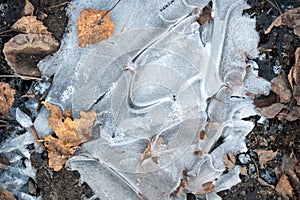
[[265, 156], [205, 15], [69, 134], [284, 187], [229, 160], [272, 110], [281, 87], [94, 26], [290, 18], [183, 183], [28, 44], [29, 24], [264, 183], [6, 195], [206, 188], [28, 8], [6, 98], [294, 76]]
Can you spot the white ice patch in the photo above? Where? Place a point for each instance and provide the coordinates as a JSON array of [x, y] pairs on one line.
[[183, 78]]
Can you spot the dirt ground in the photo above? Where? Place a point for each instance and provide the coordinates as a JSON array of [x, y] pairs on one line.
[[282, 137]]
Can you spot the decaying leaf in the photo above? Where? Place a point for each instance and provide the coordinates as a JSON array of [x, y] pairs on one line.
[[294, 76], [183, 183], [29, 24], [34, 40], [264, 183], [207, 187], [272, 110], [6, 195], [94, 26], [281, 86], [229, 160], [6, 98], [205, 15], [284, 187], [28, 8], [69, 134], [290, 18], [28, 44], [265, 156]]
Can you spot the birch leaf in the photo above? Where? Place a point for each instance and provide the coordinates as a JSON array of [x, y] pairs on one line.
[[69, 134]]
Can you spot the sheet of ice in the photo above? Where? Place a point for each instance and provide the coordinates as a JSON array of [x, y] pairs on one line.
[[160, 79]]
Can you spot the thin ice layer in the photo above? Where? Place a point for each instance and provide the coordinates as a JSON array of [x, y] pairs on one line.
[[157, 82]]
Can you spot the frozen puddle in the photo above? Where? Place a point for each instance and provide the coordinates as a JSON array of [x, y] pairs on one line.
[[170, 96]]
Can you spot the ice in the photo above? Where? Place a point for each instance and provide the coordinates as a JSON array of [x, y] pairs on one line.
[[160, 79]]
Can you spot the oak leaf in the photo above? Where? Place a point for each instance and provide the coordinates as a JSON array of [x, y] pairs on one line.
[[94, 26], [69, 134], [6, 98]]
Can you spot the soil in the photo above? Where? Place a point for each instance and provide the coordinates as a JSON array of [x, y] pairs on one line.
[[276, 48]]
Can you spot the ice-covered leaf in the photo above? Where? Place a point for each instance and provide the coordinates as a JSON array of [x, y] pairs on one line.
[[23, 119], [69, 134], [6, 98], [94, 26]]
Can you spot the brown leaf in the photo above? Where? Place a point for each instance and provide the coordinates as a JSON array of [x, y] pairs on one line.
[[284, 187], [28, 8], [281, 87], [206, 188], [264, 183], [28, 44], [94, 26], [69, 134], [292, 113], [29, 24], [6, 195], [205, 15], [272, 110], [265, 156], [6, 98], [290, 18], [294, 77], [229, 160]]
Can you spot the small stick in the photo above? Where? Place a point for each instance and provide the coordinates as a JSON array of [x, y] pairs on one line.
[[21, 77]]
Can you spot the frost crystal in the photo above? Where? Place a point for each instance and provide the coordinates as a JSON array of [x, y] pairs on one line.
[[157, 83]]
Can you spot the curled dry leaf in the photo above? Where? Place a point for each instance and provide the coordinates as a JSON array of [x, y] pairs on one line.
[[290, 18], [265, 156], [294, 76], [284, 187], [29, 24], [281, 86], [94, 26], [35, 40], [28, 44], [229, 160], [69, 134], [6, 98], [6, 195]]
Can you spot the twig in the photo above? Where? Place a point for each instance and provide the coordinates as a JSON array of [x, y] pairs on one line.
[[102, 18], [57, 5], [21, 77], [3, 121], [275, 5]]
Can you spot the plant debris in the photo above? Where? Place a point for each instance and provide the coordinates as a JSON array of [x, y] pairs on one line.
[[6, 98], [290, 18], [94, 26], [265, 156], [69, 134], [6, 195], [35, 39], [284, 187]]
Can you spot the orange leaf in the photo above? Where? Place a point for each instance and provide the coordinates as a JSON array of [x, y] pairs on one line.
[[6, 98], [69, 134], [94, 26]]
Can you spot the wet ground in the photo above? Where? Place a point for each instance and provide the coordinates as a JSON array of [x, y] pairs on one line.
[[277, 49]]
